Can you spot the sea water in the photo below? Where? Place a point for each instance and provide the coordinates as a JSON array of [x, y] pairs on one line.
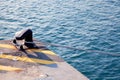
[[85, 24]]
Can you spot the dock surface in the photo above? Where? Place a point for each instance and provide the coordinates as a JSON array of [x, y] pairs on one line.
[[34, 64]]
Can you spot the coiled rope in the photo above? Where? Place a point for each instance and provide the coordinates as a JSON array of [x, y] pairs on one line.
[[86, 50]]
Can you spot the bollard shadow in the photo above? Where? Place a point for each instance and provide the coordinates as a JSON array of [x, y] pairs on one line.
[[40, 56]]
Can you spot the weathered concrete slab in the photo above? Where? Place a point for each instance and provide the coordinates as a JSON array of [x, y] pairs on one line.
[[34, 64]]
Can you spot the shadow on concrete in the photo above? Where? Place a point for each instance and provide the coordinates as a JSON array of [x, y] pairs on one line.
[[41, 56]]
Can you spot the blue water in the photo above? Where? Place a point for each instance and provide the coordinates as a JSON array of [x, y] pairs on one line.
[[86, 24]]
